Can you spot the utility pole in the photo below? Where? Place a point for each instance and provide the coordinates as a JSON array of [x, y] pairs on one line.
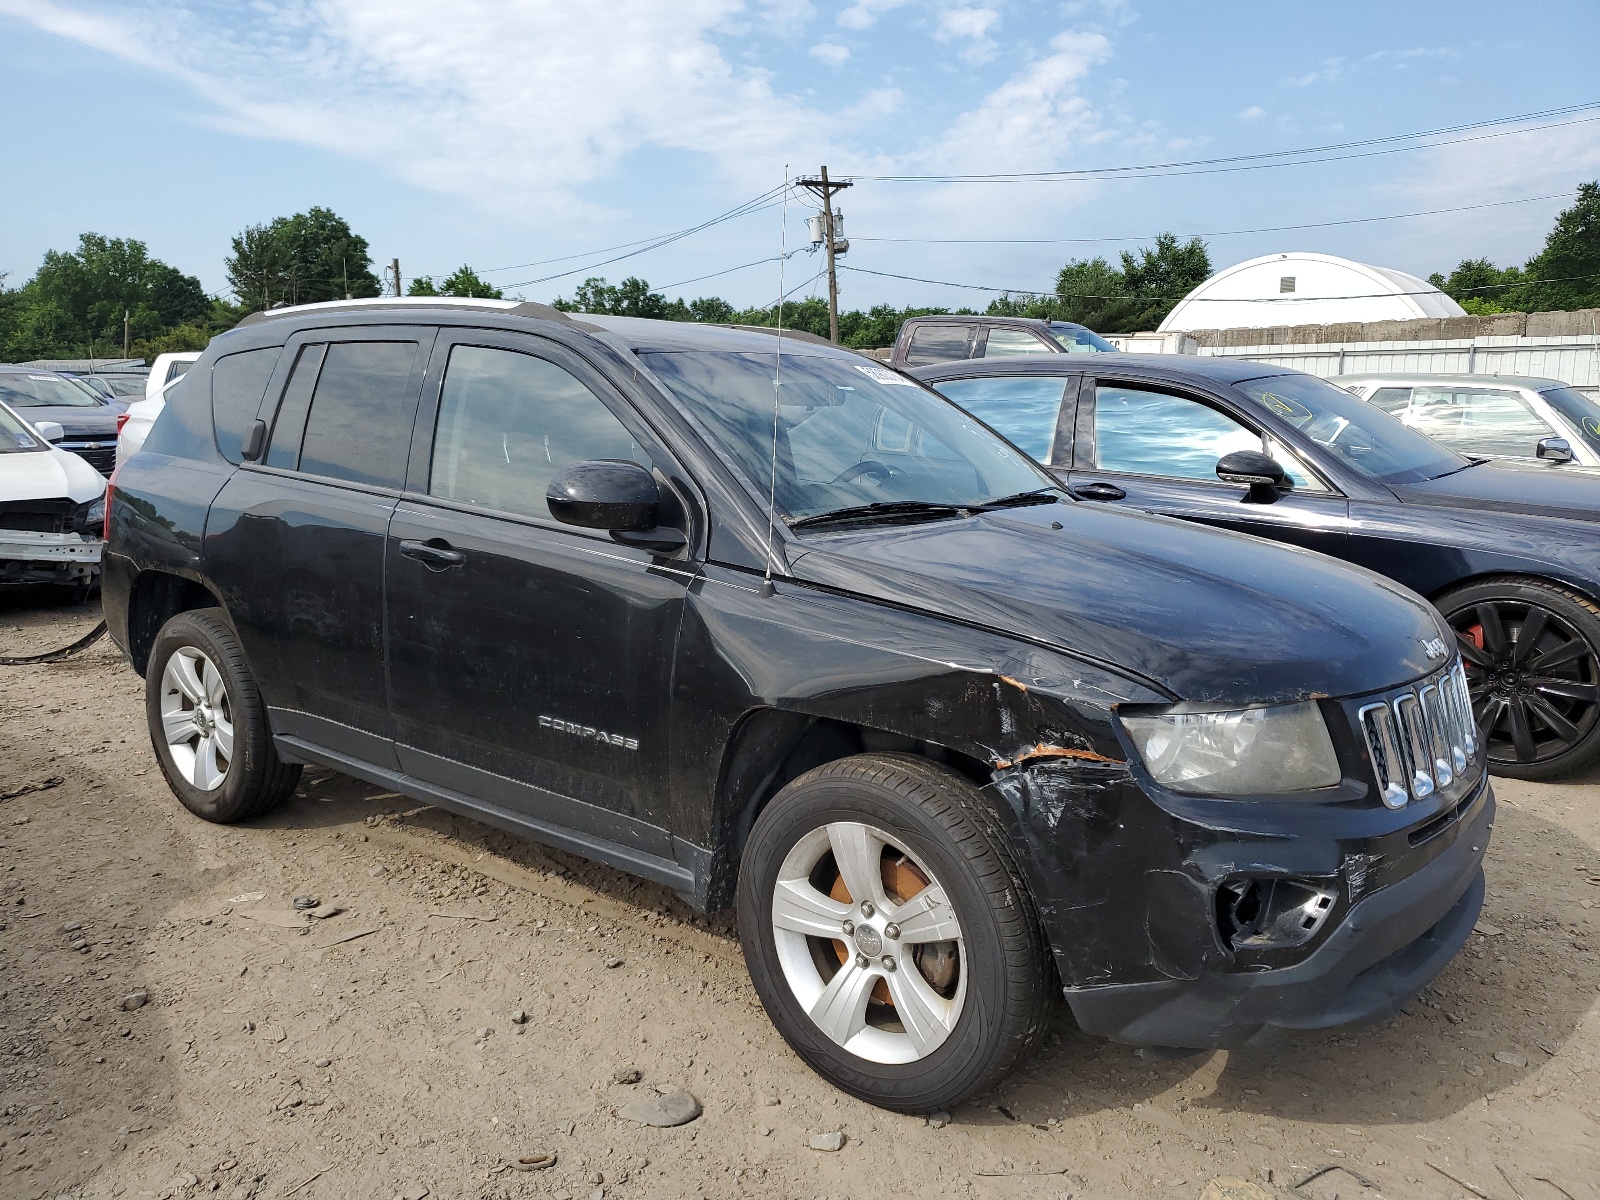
[[127, 335], [394, 265], [826, 188]]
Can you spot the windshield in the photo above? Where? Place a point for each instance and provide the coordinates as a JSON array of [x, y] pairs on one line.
[[1075, 339], [1582, 411], [1366, 439], [14, 436], [38, 390], [848, 433]]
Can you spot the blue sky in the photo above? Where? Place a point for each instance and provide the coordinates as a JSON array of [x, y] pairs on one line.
[[502, 132]]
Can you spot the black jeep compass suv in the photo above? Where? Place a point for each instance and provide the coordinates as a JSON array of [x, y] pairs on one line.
[[776, 626]]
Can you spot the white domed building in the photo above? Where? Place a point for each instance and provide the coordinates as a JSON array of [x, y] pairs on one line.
[[1301, 288]]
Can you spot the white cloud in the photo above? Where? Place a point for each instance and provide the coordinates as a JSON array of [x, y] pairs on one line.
[[972, 24], [1254, 113], [830, 52], [863, 14]]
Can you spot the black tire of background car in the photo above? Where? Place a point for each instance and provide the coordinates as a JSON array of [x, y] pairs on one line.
[[943, 820], [257, 780], [50, 656], [1576, 612]]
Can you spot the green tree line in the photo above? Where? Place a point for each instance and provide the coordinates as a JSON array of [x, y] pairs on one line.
[[80, 301]]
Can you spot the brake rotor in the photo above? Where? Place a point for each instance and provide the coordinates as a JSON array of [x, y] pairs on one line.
[[901, 880]]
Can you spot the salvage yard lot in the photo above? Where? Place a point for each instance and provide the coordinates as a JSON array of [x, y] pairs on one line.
[[280, 1055]]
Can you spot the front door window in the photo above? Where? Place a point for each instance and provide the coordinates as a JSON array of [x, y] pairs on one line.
[[1481, 422]]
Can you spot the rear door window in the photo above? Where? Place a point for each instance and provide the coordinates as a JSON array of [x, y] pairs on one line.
[[1022, 408], [359, 426], [238, 383], [937, 344]]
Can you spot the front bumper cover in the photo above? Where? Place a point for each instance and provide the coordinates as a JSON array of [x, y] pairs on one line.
[[1389, 946], [28, 557]]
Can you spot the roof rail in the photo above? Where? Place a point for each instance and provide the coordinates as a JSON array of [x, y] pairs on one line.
[[525, 308]]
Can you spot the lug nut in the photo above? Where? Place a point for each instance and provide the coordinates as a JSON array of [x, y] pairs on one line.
[[888, 962], [866, 908], [891, 930], [861, 960], [849, 928]]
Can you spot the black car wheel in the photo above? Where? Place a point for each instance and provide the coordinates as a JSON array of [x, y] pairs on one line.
[[208, 723], [1532, 654], [889, 933]]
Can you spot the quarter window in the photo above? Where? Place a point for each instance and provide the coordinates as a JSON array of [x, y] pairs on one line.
[[1003, 343], [1023, 408], [508, 422], [238, 382], [359, 425], [1154, 433]]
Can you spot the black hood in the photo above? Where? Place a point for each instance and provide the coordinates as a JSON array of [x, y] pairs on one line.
[[1533, 489], [100, 421], [1208, 615]]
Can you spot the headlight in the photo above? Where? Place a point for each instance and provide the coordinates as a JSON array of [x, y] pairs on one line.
[[91, 516], [1245, 751]]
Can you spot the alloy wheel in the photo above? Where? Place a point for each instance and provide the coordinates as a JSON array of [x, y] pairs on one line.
[[197, 718], [1533, 677], [869, 944]]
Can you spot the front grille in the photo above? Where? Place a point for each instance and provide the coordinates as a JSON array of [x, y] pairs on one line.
[[102, 456], [1422, 739]]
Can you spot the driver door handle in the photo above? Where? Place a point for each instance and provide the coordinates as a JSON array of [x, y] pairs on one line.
[[1097, 491], [436, 554]]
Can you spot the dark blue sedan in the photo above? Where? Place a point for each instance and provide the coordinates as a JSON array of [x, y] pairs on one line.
[[1509, 552]]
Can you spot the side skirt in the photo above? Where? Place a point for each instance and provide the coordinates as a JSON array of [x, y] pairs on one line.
[[624, 858]]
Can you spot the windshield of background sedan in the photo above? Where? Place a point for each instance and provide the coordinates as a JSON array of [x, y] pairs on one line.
[[38, 390], [849, 433], [1581, 410], [14, 436], [1075, 339], [1366, 439]]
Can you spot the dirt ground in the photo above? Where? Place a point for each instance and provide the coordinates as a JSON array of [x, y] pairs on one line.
[[377, 1053]]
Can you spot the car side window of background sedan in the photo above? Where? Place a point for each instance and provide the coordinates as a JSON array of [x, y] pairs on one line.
[[1023, 408], [1003, 343], [1495, 423], [937, 343], [508, 422], [1143, 432]]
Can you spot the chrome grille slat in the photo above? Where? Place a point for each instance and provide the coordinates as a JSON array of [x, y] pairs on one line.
[[1422, 739]]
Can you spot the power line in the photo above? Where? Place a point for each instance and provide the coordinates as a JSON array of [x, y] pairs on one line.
[[1266, 159], [979, 287], [1433, 212], [730, 270]]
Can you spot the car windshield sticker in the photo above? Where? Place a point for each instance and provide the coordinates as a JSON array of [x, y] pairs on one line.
[[1289, 410], [884, 375], [23, 441], [1591, 426]]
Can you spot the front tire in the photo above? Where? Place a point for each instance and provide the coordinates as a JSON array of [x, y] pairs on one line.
[[1532, 654], [890, 935], [208, 723]]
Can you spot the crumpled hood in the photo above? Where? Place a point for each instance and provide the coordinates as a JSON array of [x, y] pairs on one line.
[[1208, 615], [32, 475], [1568, 491]]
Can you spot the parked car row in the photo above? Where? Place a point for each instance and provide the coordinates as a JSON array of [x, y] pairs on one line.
[[52, 507], [771, 623]]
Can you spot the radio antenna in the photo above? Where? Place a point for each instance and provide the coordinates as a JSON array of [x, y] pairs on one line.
[[777, 382]]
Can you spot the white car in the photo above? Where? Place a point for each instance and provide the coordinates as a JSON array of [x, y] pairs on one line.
[[1490, 416], [52, 508], [133, 426]]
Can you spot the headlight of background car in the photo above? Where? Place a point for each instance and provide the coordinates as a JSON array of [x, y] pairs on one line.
[[1245, 751]]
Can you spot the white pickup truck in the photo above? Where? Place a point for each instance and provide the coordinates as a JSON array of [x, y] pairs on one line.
[[134, 425], [52, 508]]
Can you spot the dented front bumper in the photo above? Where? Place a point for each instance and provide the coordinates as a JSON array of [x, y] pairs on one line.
[[1388, 947], [31, 557]]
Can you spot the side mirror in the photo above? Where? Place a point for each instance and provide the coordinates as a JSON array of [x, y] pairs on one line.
[[1553, 450], [616, 495], [51, 431], [1261, 472]]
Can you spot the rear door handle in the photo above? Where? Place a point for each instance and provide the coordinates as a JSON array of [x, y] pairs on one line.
[[436, 555], [1097, 491]]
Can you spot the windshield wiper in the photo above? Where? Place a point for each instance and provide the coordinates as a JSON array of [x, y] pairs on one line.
[[878, 511], [1042, 495]]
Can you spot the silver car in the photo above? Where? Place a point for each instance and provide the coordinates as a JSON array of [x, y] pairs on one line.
[[1490, 416]]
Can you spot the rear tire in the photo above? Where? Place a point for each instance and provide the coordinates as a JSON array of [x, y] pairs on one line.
[[1532, 653], [941, 983], [208, 724]]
